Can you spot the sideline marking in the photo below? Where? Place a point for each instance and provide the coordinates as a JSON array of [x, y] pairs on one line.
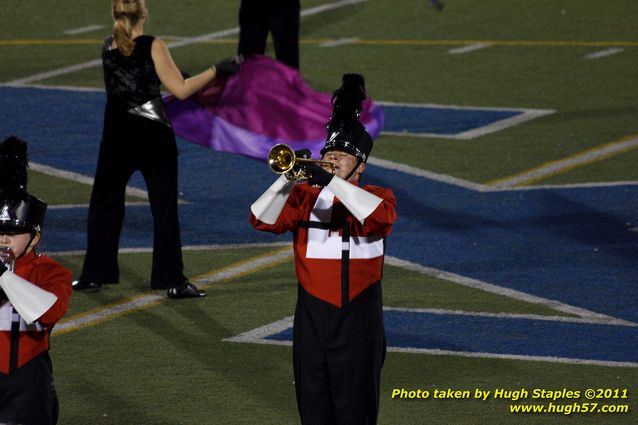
[[553, 168], [604, 53], [180, 43], [144, 301]]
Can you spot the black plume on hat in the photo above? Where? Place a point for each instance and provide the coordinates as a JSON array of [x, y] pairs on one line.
[[19, 211], [345, 131], [13, 168]]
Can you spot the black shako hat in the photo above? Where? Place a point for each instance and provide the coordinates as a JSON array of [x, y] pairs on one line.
[[20, 212], [345, 131]]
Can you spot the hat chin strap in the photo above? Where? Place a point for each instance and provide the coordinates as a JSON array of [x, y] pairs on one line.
[[359, 161], [26, 248]]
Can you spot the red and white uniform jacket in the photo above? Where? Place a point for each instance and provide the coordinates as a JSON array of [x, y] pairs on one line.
[[337, 256], [20, 342]]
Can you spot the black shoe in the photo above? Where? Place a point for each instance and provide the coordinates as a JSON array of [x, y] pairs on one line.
[[82, 285], [186, 290]]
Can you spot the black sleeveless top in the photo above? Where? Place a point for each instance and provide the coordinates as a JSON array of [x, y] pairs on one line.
[[130, 80]]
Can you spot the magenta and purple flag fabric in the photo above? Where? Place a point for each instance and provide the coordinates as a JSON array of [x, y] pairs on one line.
[[265, 103]]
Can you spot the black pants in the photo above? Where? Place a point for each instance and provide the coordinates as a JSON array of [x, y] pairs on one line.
[[27, 396], [106, 216], [338, 354], [280, 18]]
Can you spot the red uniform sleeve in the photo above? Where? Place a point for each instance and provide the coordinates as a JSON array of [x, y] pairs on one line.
[[380, 222], [290, 215], [52, 277]]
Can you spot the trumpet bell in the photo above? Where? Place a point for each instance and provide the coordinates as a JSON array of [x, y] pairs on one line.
[[283, 160]]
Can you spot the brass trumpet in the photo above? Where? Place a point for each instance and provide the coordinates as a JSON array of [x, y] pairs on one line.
[[282, 160]]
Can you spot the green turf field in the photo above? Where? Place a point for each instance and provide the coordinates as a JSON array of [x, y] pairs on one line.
[[165, 362]]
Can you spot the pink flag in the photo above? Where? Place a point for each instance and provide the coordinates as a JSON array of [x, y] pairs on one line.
[[265, 103]]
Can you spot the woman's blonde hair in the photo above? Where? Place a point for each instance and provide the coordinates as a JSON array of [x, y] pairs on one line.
[[126, 14]]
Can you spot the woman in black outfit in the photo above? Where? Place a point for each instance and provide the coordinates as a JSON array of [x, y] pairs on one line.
[[280, 18], [137, 135]]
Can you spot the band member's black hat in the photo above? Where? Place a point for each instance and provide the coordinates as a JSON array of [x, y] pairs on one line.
[[345, 131], [20, 212]]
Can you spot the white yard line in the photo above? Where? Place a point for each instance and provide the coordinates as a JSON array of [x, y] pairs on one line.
[[527, 115], [418, 172], [339, 42], [513, 357], [330, 6], [467, 49], [82, 30], [80, 178], [541, 317], [55, 73], [259, 334], [604, 53]]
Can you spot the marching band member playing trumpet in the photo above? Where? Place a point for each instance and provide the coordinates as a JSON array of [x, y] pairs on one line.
[[339, 243], [34, 295]]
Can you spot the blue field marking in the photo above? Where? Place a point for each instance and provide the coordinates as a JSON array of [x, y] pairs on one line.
[[573, 245], [507, 337], [455, 122]]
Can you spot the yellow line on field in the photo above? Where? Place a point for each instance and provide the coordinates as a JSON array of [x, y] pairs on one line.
[[533, 43], [107, 312], [244, 268], [359, 41], [580, 159], [87, 41], [50, 41], [147, 300]]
